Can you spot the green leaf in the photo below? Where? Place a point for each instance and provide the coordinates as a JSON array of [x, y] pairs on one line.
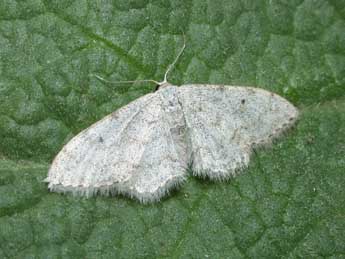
[[288, 203]]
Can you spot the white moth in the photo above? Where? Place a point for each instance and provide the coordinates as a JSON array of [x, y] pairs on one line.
[[143, 149]]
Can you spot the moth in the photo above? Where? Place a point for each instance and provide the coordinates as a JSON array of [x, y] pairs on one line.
[[143, 149]]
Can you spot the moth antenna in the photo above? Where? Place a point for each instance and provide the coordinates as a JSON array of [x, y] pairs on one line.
[[171, 66], [125, 82]]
